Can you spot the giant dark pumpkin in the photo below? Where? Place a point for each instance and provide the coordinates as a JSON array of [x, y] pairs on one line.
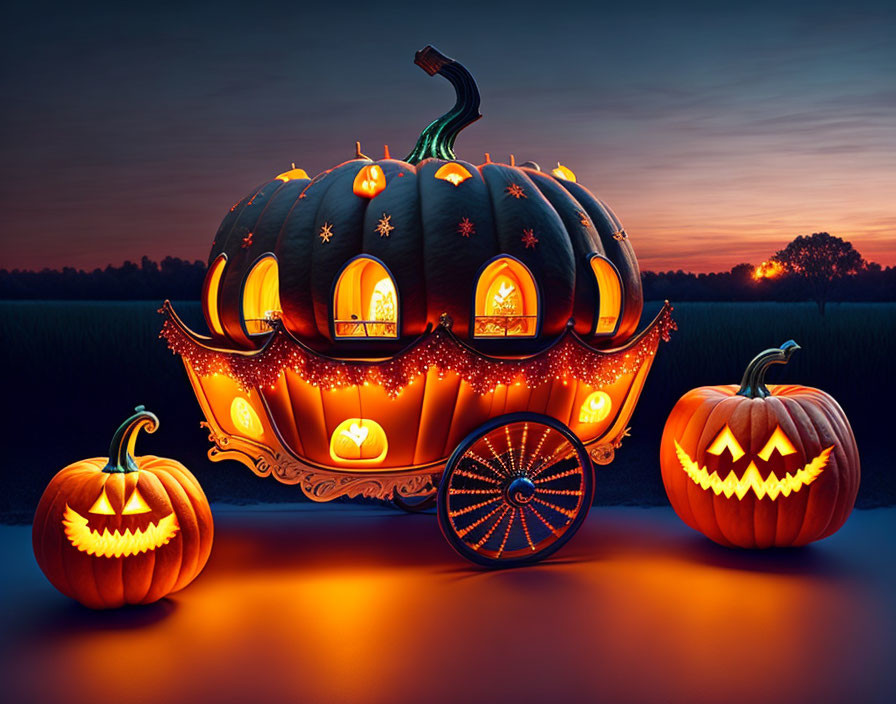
[[434, 223], [760, 466]]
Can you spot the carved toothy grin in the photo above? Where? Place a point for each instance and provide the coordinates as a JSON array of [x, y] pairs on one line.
[[117, 544], [771, 486]]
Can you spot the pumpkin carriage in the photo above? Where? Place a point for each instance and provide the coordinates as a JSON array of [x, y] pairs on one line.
[[426, 331]]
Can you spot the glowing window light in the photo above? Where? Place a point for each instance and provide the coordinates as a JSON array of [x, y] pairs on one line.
[[365, 301], [564, 173], [595, 408], [358, 441], [506, 301], [261, 296], [610, 293], [245, 418], [369, 181], [453, 173], [210, 294], [292, 174]]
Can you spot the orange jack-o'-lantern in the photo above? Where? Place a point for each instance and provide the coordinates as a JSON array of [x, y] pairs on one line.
[[758, 466], [123, 529]]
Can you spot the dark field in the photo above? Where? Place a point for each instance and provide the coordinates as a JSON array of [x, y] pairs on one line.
[[75, 370]]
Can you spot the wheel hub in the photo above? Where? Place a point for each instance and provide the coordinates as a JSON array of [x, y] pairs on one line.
[[519, 491]]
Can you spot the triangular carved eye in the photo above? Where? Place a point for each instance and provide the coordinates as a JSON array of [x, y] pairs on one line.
[[135, 504], [102, 505], [778, 441], [723, 440]]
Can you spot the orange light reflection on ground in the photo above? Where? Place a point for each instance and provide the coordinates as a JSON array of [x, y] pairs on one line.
[[348, 603]]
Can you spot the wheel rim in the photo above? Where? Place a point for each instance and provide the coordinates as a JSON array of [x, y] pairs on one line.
[[516, 493]]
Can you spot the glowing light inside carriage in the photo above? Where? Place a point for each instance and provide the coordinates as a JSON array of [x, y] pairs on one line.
[[453, 173], [369, 181], [261, 296], [596, 407], [506, 301], [365, 301], [293, 174], [358, 441], [610, 296], [210, 294], [564, 173], [245, 418]]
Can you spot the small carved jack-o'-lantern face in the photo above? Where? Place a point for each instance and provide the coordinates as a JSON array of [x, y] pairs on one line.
[[759, 466], [738, 484], [129, 537], [120, 529]]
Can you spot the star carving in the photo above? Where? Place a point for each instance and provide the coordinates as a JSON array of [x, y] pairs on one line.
[[465, 227], [620, 235], [529, 239], [247, 241], [384, 226], [583, 218], [326, 232], [516, 191]]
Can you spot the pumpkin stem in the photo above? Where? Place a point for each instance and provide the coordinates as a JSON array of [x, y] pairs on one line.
[[437, 140], [753, 383], [121, 450]]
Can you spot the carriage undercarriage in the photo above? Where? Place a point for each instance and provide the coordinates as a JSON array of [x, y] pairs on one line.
[[517, 480]]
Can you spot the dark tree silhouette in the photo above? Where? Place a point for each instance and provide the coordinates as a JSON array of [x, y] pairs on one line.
[[822, 260]]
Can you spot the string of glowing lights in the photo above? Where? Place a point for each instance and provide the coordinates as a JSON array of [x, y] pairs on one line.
[[568, 359]]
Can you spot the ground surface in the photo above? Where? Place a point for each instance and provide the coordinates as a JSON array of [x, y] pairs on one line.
[[334, 603]]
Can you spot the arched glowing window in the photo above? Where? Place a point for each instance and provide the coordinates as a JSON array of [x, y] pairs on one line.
[[365, 301], [506, 301], [210, 294], [610, 293], [261, 296]]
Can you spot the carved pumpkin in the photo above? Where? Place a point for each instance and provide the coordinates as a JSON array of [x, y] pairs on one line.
[[122, 530], [434, 223], [757, 466]]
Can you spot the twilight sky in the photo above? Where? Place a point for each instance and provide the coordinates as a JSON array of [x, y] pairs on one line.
[[716, 131]]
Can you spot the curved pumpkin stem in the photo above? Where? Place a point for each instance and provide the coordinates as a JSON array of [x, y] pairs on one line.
[[121, 450], [753, 383], [437, 140]]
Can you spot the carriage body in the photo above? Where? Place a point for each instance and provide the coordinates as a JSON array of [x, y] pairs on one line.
[[393, 328], [336, 428]]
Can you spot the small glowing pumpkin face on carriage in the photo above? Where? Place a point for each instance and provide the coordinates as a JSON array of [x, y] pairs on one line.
[[426, 331]]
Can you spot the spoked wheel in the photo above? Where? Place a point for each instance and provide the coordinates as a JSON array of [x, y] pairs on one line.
[[515, 490]]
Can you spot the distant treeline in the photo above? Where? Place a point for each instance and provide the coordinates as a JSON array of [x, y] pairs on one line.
[[871, 283], [182, 280], [174, 278]]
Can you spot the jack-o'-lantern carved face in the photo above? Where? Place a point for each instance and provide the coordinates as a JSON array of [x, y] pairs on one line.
[[121, 529], [115, 533], [758, 466], [778, 453]]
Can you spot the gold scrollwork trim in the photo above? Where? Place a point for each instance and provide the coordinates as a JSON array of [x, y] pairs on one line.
[[316, 483]]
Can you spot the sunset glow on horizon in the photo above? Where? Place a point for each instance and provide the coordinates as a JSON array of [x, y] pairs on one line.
[[716, 136]]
